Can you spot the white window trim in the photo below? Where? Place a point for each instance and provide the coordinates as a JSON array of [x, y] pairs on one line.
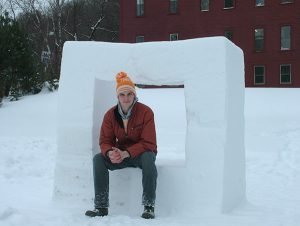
[[231, 7], [290, 38], [285, 83], [173, 34], [283, 3], [263, 38], [204, 10], [177, 6], [136, 37], [139, 5], [264, 75], [256, 5]]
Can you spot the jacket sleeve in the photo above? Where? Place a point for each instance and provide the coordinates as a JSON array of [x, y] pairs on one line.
[[147, 140], [107, 138]]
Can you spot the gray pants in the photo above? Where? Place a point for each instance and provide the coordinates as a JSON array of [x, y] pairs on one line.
[[145, 161]]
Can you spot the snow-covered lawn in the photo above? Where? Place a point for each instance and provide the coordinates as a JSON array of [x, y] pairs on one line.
[[28, 150]]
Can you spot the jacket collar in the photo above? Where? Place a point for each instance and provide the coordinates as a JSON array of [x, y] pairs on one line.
[[119, 117]]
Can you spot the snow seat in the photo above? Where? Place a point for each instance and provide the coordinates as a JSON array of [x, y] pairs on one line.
[[212, 71]]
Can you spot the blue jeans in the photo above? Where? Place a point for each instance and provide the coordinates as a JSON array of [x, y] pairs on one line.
[[145, 161]]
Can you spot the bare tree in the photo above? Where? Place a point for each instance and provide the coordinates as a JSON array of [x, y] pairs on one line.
[[50, 23], [39, 17], [96, 20], [100, 18], [56, 15]]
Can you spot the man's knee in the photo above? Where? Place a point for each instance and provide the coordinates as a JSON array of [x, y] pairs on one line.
[[148, 157], [98, 160], [148, 163]]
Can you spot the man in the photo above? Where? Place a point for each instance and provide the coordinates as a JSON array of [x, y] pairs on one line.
[[127, 139]]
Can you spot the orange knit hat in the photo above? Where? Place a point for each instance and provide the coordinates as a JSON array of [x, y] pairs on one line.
[[124, 83]]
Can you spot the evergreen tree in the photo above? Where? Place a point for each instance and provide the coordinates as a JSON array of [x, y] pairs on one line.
[[17, 71], [4, 24]]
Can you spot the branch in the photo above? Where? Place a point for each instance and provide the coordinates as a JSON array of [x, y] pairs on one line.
[[69, 33], [93, 28], [108, 30], [12, 9]]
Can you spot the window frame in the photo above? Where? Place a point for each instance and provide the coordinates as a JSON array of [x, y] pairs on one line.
[[283, 2], [171, 34], [229, 7], [139, 36], [171, 6], [263, 76], [290, 75], [262, 5], [256, 40], [204, 10], [140, 8], [281, 38]]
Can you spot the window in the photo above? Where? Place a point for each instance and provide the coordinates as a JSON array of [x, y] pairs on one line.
[[259, 39], [204, 5], [174, 37], [229, 35], [285, 74], [286, 1], [259, 2], [285, 37], [139, 38], [228, 4], [259, 75], [139, 7], [173, 6]]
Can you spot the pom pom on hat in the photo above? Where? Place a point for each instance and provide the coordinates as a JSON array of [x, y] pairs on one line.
[[124, 83]]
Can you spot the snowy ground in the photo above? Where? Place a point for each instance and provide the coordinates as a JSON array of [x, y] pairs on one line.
[[28, 149]]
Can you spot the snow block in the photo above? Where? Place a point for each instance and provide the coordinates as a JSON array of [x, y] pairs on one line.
[[212, 71]]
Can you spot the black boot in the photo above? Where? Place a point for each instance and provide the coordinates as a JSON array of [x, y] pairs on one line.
[[98, 212], [148, 212]]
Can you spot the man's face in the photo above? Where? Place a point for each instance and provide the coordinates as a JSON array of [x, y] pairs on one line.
[[126, 99]]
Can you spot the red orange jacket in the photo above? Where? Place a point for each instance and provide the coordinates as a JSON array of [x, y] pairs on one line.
[[141, 134]]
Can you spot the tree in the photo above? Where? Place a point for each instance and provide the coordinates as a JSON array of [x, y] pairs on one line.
[[48, 25], [36, 19], [91, 20], [18, 74], [4, 52]]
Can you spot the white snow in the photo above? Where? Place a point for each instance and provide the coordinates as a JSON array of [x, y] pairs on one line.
[[28, 149], [212, 70]]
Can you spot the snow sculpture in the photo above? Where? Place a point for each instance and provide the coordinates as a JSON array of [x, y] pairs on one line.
[[212, 71]]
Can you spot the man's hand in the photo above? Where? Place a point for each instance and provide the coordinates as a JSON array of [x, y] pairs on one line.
[[117, 156]]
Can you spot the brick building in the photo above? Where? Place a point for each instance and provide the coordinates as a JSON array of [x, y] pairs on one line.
[[268, 31]]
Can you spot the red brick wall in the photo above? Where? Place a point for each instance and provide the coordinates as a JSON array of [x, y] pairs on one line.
[[191, 22]]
